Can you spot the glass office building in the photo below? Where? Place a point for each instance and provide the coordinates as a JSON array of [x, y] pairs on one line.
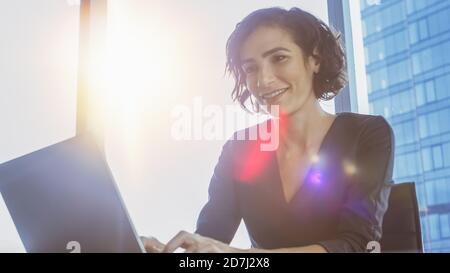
[[407, 55]]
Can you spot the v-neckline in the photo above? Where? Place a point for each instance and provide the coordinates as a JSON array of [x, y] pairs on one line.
[[308, 171]]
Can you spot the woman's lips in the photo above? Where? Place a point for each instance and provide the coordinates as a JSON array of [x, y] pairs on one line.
[[274, 94]]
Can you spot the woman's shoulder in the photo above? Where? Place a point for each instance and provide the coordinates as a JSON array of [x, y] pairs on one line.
[[364, 122], [367, 128], [362, 119]]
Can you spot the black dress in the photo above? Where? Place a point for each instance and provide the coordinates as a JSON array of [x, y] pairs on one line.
[[339, 206]]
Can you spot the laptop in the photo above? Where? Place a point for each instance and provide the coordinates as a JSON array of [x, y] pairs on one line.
[[63, 198]]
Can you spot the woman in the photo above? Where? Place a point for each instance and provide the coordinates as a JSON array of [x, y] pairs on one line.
[[325, 188]]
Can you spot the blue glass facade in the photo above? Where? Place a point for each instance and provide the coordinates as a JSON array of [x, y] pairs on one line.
[[407, 54]]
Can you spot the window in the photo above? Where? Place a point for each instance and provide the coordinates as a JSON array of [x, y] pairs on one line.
[[399, 72], [386, 47], [417, 5], [406, 165], [434, 226], [434, 123], [407, 74], [430, 92], [413, 33], [409, 129], [427, 161], [423, 29], [437, 191], [439, 22], [446, 152], [442, 84], [430, 57], [429, 191], [432, 158], [442, 190], [382, 106], [377, 80], [423, 126], [444, 125], [420, 94], [445, 225], [385, 77], [437, 157], [401, 103], [388, 15]]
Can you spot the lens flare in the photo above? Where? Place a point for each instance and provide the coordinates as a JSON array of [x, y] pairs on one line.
[[349, 168], [316, 177], [315, 158]]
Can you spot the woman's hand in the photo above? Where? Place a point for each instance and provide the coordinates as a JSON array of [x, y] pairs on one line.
[[152, 245], [194, 243]]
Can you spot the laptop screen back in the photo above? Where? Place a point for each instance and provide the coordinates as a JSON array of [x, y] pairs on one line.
[[63, 198]]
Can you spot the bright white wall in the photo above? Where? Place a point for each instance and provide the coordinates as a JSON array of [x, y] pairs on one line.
[[38, 75]]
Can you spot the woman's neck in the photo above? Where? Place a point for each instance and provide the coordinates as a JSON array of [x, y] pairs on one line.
[[306, 127]]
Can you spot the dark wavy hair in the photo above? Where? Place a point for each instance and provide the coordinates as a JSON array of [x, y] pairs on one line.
[[308, 32]]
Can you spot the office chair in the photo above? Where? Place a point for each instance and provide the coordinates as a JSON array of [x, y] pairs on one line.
[[401, 223]]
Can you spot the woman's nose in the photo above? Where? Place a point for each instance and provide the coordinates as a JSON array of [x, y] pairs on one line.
[[265, 78]]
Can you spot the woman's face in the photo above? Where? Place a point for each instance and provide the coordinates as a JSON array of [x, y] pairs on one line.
[[277, 73]]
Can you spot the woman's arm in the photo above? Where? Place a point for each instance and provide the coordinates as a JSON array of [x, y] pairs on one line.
[[368, 190], [220, 216]]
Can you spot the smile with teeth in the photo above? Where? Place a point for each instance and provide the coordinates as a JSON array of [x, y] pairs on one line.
[[273, 93]]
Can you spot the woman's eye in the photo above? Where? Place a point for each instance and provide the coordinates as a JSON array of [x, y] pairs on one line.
[[279, 58], [249, 69]]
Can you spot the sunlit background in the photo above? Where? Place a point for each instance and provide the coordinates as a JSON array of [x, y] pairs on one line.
[[148, 56], [38, 80]]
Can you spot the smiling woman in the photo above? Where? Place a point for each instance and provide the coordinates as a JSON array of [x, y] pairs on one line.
[[325, 187]]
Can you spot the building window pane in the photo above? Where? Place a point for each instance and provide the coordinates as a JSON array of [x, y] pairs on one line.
[[437, 157], [445, 225], [423, 29], [441, 190], [433, 123], [441, 87], [423, 128], [426, 159], [446, 152], [413, 33], [429, 190], [434, 226], [429, 86], [410, 131], [420, 94]]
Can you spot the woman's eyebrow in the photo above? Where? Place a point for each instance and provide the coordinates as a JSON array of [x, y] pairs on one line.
[[267, 53], [273, 50]]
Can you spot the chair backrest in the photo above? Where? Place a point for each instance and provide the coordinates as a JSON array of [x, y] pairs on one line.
[[401, 223]]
